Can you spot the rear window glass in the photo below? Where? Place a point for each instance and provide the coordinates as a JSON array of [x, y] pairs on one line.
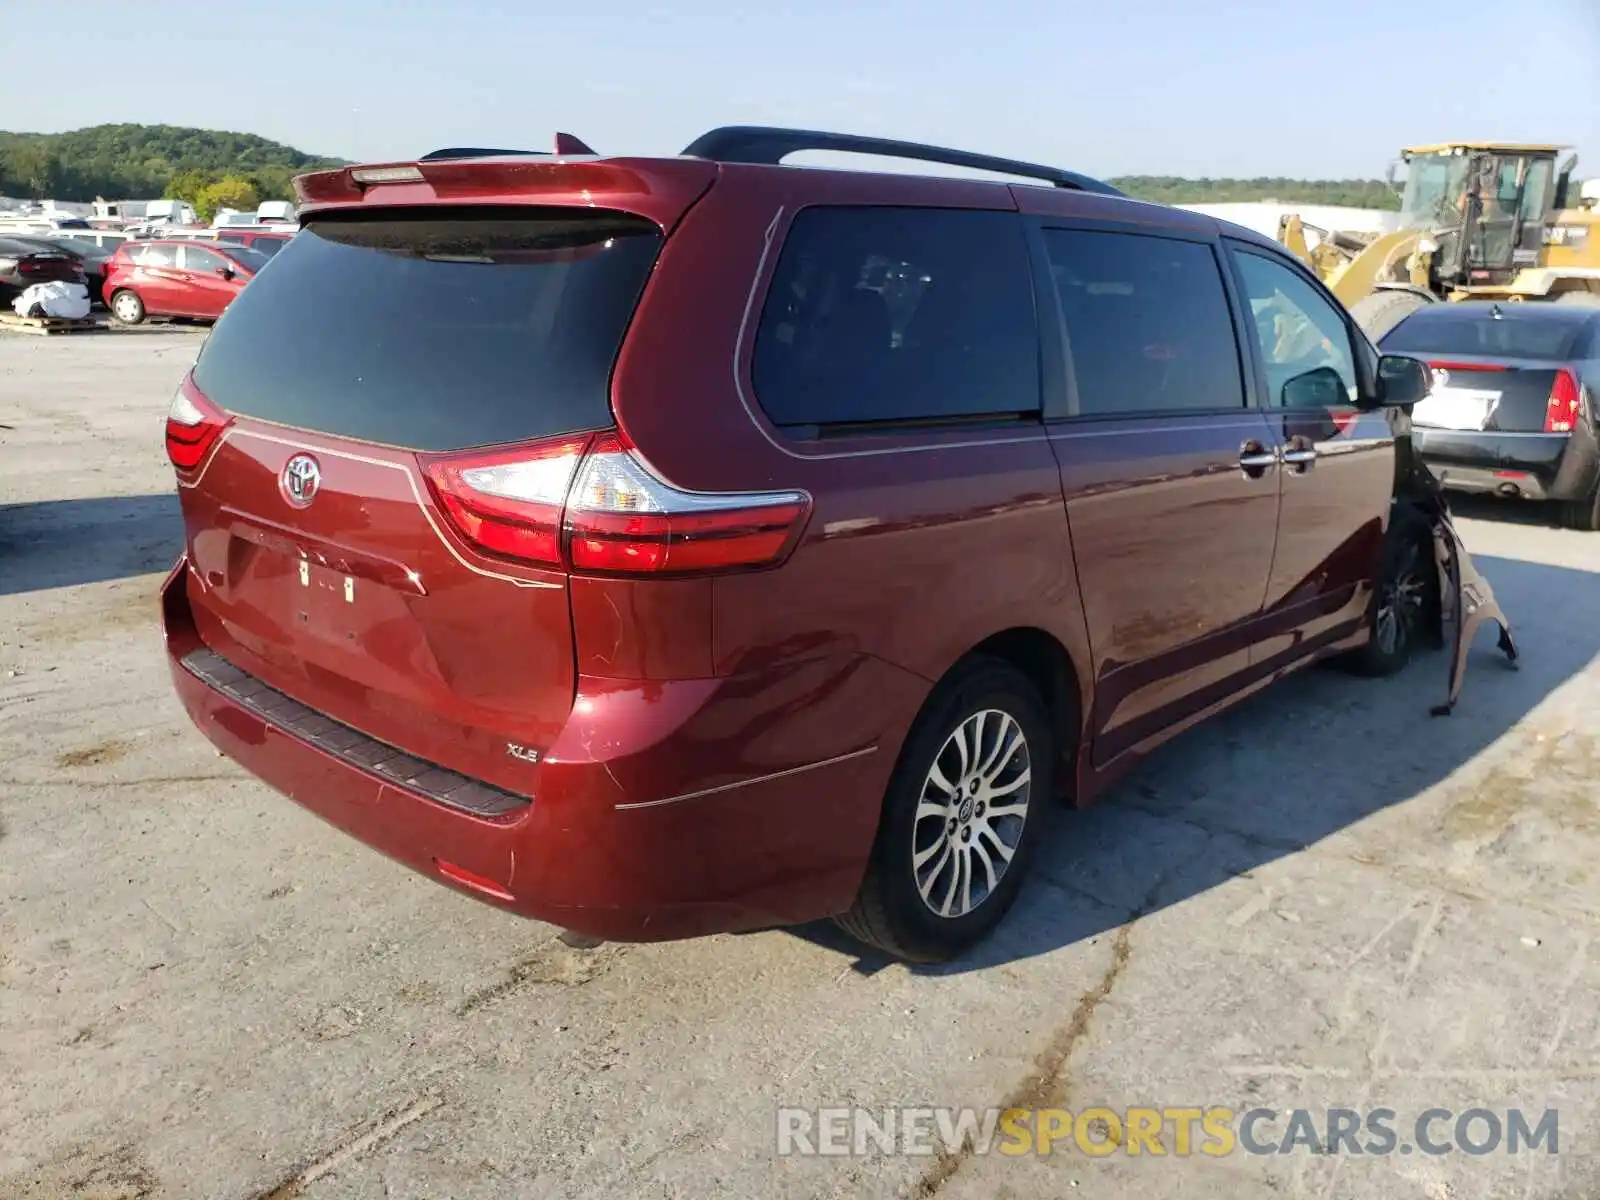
[[897, 314], [1531, 335], [435, 333], [1148, 322]]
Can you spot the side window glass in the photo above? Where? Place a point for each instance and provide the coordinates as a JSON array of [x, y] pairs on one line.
[[898, 314], [1297, 328], [1148, 322], [196, 259], [158, 256]]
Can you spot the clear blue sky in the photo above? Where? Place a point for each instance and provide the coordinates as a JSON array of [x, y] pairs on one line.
[[1318, 88]]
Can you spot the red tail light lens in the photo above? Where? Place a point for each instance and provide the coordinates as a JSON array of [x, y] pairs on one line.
[[1561, 412], [621, 518], [1447, 365], [589, 503], [509, 502], [193, 426]]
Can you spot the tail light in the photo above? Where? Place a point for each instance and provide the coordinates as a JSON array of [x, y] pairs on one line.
[[1447, 365], [589, 503], [1561, 411], [622, 518], [193, 426], [509, 502]]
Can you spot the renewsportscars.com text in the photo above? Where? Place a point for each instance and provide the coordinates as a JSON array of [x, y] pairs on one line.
[[1177, 1131]]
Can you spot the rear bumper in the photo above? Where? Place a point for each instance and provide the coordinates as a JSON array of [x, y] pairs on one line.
[[750, 852], [1536, 466]]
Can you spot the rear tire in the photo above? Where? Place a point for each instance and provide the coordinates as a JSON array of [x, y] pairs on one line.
[[1380, 312], [1408, 596], [1582, 514], [127, 308], [961, 816]]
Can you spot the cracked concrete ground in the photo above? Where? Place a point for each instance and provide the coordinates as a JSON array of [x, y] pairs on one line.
[[1323, 899]]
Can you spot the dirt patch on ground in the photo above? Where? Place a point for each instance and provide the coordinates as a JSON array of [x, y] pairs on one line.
[[84, 1173], [551, 963], [97, 755]]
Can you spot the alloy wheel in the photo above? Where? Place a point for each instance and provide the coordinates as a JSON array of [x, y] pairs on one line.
[[1401, 601], [971, 813]]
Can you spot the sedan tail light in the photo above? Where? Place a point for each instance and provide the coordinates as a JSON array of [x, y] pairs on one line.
[[589, 503], [193, 426], [1561, 411]]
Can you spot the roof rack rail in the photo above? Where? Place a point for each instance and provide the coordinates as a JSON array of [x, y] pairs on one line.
[[770, 145]]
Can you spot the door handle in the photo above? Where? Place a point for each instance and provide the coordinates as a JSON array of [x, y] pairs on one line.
[[1254, 459], [1299, 458]]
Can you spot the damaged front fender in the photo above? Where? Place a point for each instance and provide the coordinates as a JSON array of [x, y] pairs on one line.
[[1467, 600]]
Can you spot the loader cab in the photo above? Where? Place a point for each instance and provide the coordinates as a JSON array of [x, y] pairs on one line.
[[1485, 205]]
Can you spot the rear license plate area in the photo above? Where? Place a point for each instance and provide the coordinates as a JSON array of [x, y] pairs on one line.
[[1455, 408]]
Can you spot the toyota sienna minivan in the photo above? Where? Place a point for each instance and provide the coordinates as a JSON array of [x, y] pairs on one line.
[[661, 546]]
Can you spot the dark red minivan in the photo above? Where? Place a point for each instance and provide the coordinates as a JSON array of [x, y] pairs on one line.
[[665, 546]]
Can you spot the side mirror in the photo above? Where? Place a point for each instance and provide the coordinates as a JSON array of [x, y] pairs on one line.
[[1402, 380], [1322, 387]]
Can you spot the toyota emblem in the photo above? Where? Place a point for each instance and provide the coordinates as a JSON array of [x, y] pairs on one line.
[[301, 476]]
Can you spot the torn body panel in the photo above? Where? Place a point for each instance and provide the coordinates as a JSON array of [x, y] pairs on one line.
[[1467, 600]]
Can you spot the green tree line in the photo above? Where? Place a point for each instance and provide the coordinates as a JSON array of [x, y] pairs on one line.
[[1352, 193], [145, 161]]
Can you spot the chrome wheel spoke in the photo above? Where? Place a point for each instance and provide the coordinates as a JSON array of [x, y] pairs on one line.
[[1005, 751], [926, 882], [1001, 847], [981, 851], [960, 740], [950, 892], [1011, 786], [997, 811], [920, 859]]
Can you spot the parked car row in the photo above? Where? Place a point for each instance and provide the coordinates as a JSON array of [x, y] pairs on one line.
[[26, 260], [194, 277], [177, 278]]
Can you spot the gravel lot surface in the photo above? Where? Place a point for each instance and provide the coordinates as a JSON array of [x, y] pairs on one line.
[[1323, 898]]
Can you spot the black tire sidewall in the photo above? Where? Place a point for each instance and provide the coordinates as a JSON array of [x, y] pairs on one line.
[[921, 933]]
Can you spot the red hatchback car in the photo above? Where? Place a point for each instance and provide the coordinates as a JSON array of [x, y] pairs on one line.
[[176, 278], [666, 546]]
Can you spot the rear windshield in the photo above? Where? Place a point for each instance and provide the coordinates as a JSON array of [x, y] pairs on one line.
[[435, 333], [1552, 334]]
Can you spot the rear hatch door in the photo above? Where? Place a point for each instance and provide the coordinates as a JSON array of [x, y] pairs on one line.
[[322, 560]]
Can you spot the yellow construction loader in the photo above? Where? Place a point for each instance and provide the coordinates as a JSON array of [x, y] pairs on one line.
[[1479, 221]]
